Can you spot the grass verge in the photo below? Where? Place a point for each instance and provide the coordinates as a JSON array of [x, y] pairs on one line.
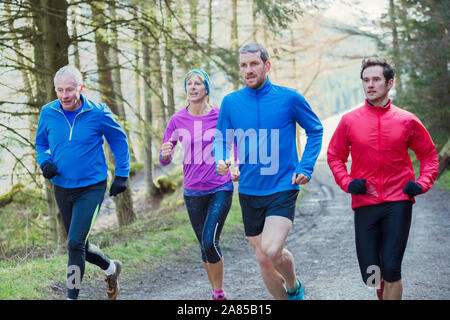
[[149, 241], [444, 180]]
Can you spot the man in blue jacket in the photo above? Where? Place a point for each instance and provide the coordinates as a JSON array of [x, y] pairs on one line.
[[261, 119], [69, 146]]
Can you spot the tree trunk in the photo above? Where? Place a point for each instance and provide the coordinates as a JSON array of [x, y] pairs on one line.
[[169, 78], [56, 40], [168, 57], [159, 113], [193, 8], [123, 202], [148, 160], [51, 53], [234, 42], [76, 49], [117, 79], [28, 89], [266, 32], [137, 79], [298, 129], [182, 33], [396, 50], [254, 21], [210, 34]]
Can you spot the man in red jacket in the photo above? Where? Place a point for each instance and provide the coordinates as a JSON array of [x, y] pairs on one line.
[[381, 181]]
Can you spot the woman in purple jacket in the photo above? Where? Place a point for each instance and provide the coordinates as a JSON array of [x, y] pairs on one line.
[[207, 195]]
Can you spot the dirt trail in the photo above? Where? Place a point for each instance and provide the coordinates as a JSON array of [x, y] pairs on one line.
[[322, 242]]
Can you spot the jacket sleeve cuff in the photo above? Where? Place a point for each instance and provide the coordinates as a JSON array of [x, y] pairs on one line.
[[304, 173], [164, 162]]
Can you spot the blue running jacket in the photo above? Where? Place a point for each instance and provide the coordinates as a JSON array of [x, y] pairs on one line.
[[77, 150], [262, 123]]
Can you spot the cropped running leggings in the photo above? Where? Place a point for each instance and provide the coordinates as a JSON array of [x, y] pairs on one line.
[[381, 234], [79, 208], [207, 214]]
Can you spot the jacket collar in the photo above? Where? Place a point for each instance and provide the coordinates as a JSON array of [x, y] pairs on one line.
[[261, 90], [378, 108]]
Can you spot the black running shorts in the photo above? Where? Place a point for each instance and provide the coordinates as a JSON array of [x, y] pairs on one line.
[[255, 209]]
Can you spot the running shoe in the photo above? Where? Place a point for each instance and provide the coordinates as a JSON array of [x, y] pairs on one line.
[[219, 295], [112, 287], [297, 295], [380, 290]]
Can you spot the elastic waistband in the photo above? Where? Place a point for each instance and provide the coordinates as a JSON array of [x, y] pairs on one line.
[[81, 188]]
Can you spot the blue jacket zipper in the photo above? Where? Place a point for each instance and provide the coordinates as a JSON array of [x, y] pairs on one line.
[[71, 126]]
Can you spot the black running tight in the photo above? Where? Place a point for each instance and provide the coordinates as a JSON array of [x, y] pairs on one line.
[[381, 234]]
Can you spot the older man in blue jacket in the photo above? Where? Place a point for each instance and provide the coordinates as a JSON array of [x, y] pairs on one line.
[[261, 119], [69, 146]]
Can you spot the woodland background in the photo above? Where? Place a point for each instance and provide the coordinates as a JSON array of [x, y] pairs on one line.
[[134, 54]]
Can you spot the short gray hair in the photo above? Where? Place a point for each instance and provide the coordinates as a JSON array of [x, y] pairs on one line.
[[255, 47], [69, 70]]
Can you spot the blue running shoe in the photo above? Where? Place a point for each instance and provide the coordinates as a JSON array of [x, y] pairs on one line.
[[299, 294]]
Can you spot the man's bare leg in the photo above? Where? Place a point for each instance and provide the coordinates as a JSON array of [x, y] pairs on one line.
[[275, 232], [276, 262], [272, 278]]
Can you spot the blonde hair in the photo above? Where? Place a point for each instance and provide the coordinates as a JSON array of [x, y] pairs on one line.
[[202, 79]]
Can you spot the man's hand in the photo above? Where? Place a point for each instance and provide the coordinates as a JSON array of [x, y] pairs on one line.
[[357, 186], [299, 178], [119, 185], [412, 189], [166, 149], [235, 174], [222, 167], [49, 169]]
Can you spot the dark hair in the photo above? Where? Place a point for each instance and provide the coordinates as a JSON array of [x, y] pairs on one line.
[[255, 47], [388, 69]]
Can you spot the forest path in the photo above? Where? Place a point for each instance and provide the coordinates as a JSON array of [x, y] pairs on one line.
[[322, 242]]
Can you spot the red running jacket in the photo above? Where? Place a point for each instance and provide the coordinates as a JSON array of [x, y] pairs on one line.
[[378, 139]]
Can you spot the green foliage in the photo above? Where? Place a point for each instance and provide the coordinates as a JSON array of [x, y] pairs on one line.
[[165, 184], [444, 180], [422, 62], [8, 197], [31, 279], [279, 13], [136, 167], [146, 244], [23, 228], [168, 183]]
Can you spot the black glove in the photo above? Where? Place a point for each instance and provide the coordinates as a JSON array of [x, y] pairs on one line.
[[49, 169], [357, 186], [412, 189], [119, 185]]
